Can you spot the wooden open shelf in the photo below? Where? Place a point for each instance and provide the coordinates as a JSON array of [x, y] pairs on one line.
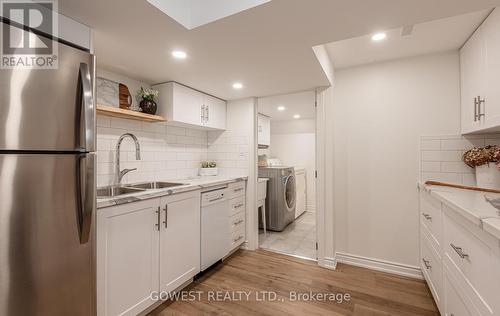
[[128, 114]]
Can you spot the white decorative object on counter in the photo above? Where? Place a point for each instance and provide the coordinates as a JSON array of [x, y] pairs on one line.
[[488, 176], [209, 172]]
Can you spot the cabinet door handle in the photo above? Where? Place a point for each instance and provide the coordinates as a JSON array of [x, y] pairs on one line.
[[207, 108], [475, 109], [459, 251], [426, 264], [238, 189], [166, 216], [238, 239], [427, 216], [479, 102], [158, 214], [238, 222], [217, 199]]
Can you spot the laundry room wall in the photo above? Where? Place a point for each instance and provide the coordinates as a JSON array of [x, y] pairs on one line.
[[293, 141]]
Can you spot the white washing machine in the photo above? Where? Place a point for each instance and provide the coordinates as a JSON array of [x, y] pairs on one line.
[[281, 196]]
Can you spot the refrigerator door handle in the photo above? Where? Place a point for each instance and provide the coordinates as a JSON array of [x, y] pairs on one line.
[[87, 195], [88, 118]]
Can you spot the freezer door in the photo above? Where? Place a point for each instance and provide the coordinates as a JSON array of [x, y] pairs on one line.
[[49, 109], [46, 267]]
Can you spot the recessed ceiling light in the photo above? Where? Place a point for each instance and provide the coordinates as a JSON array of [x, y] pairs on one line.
[[237, 85], [179, 54], [296, 116], [281, 108], [378, 37]]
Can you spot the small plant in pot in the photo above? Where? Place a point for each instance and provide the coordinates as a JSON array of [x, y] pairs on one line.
[[486, 161], [208, 168], [147, 96]]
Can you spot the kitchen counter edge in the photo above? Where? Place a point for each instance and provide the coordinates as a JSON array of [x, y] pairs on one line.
[[191, 185]]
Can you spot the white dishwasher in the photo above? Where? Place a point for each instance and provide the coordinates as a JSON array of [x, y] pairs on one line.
[[215, 226]]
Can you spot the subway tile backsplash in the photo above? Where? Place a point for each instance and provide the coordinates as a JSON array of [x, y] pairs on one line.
[[167, 152], [441, 157]]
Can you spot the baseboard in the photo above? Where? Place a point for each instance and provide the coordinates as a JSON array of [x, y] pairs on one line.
[[380, 265], [329, 263]]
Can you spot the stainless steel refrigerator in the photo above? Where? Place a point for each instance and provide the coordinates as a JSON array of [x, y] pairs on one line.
[[47, 188]]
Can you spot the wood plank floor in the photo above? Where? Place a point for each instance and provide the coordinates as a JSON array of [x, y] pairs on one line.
[[372, 293]]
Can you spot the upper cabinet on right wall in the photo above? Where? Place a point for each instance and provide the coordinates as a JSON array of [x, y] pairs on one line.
[[480, 78]]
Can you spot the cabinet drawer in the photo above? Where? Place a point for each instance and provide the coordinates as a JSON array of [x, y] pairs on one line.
[[237, 237], [236, 189], [432, 269], [430, 216], [475, 257], [237, 221], [454, 304], [237, 205]]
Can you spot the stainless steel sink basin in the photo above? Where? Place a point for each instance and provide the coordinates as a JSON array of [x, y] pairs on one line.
[[154, 185], [113, 191]]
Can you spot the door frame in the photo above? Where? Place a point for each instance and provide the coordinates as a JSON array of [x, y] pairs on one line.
[[324, 258]]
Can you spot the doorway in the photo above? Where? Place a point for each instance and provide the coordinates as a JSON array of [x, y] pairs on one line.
[[286, 166]]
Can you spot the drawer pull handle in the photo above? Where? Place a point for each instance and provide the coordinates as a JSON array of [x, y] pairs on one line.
[[427, 216], [238, 239], [459, 251], [239, 205], [238, 222], [426, 264], [217, 199], [238, 189]]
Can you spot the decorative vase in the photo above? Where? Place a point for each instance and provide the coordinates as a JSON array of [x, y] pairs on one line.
[[488, 176], [148, 106]]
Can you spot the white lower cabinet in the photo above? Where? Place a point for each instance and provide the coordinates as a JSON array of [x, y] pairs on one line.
[[460, 262], [145, 247], [237, 214], [455, 306], [127, 258], [179, 240]]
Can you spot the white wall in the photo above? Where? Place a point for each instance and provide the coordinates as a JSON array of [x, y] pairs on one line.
[[167, 152], [235, 151], [293, 141], [379, 113], [232, 148]]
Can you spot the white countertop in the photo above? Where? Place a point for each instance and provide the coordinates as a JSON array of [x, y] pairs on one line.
[[470, 204], [191, 184]]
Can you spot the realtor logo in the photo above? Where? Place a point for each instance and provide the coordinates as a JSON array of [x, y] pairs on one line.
[[23, 45]]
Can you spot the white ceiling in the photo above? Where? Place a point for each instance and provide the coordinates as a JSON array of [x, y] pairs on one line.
[[267, 48], [301, 103], [430, 37], [194, 13]]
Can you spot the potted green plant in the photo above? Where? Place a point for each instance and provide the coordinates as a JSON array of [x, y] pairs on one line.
[[486, 162], [147, 103], [208, 168]]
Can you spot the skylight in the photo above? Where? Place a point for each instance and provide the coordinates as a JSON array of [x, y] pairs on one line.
[[194, 13]]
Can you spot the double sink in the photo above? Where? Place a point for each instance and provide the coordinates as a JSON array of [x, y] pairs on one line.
[[113, 191]]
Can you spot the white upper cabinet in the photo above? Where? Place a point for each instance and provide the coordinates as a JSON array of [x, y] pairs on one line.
[[184, 106], [472, 67], [491, 29], [479, 73], [215, 115], [264, 130]]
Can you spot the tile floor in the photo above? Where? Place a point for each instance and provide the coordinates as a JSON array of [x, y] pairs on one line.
[[298, 238]]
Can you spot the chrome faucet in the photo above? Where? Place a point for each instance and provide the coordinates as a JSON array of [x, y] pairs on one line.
[[119, 174]]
